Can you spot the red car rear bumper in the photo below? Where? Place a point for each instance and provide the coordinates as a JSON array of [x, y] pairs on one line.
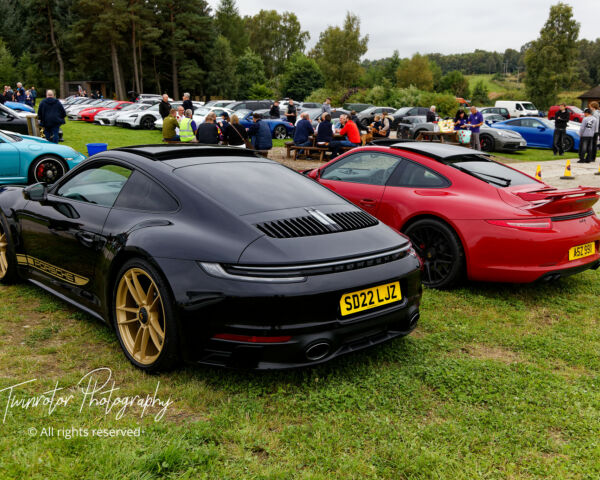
[[503, 254]]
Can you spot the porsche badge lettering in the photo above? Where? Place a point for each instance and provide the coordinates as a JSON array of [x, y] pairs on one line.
[[52, 270]]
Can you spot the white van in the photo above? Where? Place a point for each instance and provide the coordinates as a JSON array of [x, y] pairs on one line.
[[518, 109]]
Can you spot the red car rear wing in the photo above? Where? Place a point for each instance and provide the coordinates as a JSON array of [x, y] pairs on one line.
[[552, 201]]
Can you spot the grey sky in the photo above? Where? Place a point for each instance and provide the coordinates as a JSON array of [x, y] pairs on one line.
[[428, 26]]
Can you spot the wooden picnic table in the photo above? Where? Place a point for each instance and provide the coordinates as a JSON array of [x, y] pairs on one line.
[[442, 137]]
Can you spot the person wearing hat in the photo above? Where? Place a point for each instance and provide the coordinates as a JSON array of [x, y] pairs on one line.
[[587, 131]]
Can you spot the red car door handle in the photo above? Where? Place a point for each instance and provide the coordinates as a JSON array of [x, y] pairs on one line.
[[367, 202]]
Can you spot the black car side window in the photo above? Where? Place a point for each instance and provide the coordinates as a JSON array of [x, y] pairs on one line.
[[100, 185], [411, 174], [142, 193]]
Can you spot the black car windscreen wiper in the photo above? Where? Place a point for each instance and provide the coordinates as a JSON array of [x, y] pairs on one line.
[[486, 177]]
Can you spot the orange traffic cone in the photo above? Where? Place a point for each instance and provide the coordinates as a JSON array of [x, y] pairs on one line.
[[568, 174], [538, 173], [598, 172]]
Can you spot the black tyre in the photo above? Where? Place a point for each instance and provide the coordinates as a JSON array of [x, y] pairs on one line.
[[47, 169], [487, 143], [416, 134], [568, 144], [8, 260], [441, 251], [147, 123], [144, 317], [279, 132]]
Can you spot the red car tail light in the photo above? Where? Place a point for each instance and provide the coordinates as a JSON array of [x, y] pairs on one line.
[[538, 224], [251, 338]]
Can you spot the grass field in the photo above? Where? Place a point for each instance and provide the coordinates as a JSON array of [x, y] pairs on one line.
[[497, 382]]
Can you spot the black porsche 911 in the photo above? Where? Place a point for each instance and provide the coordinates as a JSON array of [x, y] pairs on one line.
[[211, 255]]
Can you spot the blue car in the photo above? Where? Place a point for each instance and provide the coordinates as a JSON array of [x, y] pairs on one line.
[[25, 159], [539, 132], [20, 107], [279, 128]]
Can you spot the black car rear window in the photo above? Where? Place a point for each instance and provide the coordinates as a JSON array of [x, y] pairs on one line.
[[247, 187], [488, 171]]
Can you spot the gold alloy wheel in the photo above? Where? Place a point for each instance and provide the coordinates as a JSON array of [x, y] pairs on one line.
[[3, 253], [140, 316]]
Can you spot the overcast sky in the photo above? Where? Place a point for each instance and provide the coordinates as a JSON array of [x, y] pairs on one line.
[[429, 26]]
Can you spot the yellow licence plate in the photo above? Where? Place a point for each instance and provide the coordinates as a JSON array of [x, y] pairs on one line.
[[581, 251], [370, 298]]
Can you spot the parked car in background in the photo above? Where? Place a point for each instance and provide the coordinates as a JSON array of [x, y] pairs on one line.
[[20, 107], [25, 159], [400, 114], [12, 121], [495, 110], [250, 105], [141, 118], [490, 118], [108, 117], [575, 114], [490, 139], [518, 109], [458, 205], [407, 128], [150, 96], [89, 114], [310, 106], [357, 107], [335, 115], [279, 128], [367, 116], [539, 132], [219, 103], [74, 110]]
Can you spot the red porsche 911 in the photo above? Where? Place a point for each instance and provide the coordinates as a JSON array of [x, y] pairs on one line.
[[467, 214]]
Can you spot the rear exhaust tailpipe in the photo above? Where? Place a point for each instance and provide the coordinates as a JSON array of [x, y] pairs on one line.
[[317, 351]]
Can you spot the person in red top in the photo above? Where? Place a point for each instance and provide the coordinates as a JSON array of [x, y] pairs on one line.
[[350, 130]]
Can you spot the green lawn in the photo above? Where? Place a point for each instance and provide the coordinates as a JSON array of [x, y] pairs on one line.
[[533, 155], [497, 382]]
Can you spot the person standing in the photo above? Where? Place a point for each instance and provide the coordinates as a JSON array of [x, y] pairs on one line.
[[292, 112], [386, 125], [326, 107], [34, 94], [587, 132], [350, 130], [52, 115], [28, 99], [20, 93], [187, 127], [561, 120], [460, 119], [275, 112], [208, 132], [170, 127], [164, 107], [187, 103], [430, 116], [475, 122], [260, 133], [596, 115]]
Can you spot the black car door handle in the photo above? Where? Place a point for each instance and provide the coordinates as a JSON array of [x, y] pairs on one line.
[[86, 238]]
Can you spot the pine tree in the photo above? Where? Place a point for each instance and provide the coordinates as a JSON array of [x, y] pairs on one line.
[[230, 24]]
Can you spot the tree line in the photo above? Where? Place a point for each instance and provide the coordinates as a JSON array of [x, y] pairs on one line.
[[156, 46]]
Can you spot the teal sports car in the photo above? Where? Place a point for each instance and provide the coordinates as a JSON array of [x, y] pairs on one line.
[[25, 159]]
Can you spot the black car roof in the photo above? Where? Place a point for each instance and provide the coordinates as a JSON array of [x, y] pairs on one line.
[[180, 151], [437, 151]]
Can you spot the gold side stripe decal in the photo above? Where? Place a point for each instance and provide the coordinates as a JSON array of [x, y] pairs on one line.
[[52, 270]]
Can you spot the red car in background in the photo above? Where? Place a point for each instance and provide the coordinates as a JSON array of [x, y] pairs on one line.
[[469, 215], [89, 114], [575, 114]]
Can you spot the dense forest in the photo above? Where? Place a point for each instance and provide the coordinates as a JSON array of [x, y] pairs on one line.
[[155, 46]]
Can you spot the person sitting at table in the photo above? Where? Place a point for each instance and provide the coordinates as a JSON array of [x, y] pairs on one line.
[[376, 128], [324, 131], [303, 131], [460, 119], [350, 130], [387, 124]]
